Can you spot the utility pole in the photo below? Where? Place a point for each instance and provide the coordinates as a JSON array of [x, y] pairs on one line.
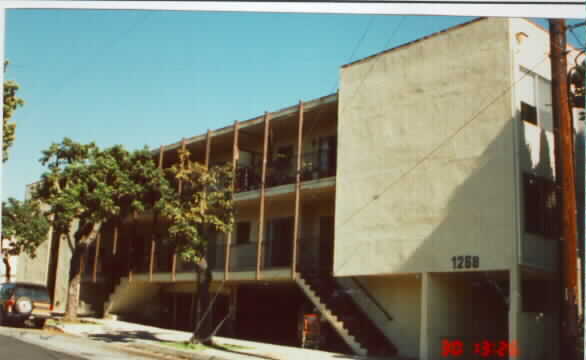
[[565, 178]]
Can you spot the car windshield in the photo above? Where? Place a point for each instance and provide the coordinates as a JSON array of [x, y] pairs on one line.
[[35, 293], [6, 290]]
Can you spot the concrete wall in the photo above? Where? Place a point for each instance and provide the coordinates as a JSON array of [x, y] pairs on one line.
[[424, 162], [400, 296], [35, 269]]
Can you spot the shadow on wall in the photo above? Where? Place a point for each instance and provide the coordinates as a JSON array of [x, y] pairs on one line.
[[474, 214]]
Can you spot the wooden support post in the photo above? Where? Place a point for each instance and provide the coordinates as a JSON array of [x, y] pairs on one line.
[[130, 243], [565, 178], [115, 239], [297, 191], [259, 245], [208, 147], [180, 183], [174, 259], [96, 258], [235, 155], [154, 229]]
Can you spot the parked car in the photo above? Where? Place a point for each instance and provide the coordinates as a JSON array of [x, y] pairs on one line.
[[24, 301]]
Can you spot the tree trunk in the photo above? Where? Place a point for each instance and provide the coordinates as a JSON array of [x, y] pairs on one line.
[[75, 271], [203, 327], [78, 260], [6, 260]]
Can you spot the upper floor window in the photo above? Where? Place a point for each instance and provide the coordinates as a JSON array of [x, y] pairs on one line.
[[535, 96], [540, 206], [242, 233]]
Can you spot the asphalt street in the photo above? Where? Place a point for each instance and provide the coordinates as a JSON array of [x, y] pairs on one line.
[[12, 348], [29, 344]]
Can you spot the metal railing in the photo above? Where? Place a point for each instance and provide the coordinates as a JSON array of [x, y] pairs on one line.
[[283, 171]]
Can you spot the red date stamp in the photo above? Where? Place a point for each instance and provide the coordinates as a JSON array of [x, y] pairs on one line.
[[484, 348]]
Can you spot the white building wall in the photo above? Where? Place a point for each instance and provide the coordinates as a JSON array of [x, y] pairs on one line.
[[400, 296], [425, 170]]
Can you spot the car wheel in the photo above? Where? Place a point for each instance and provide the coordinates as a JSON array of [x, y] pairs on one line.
[[1, 317], [23, 306]]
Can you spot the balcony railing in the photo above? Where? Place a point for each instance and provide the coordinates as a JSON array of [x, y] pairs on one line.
[[314, 165], [276, 253]]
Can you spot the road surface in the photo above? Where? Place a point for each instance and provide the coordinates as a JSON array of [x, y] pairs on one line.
[[29, 344]]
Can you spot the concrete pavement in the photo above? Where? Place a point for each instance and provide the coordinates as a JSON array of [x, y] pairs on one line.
[[148, 338], [32, 344]]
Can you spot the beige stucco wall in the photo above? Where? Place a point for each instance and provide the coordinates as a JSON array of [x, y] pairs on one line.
[[35, 269], [401, 298], [424, 162]]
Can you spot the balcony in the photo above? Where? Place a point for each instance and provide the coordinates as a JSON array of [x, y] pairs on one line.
[[315, 165]]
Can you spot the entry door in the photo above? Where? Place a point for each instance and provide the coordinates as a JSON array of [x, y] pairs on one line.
[[326, 245], [280, 237]]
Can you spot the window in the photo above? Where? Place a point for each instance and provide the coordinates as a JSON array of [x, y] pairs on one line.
[[540, 205], [35, 293], [528, 113], [242, 233], [6, 291], [535, 96], [283, 157]]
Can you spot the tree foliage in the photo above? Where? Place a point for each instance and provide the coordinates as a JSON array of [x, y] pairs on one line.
[[24, 226], [11, 103], [577, 78], [202, 209], [86, 186]]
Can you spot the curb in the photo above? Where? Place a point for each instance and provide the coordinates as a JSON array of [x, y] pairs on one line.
[[148, 349], [176, 352]]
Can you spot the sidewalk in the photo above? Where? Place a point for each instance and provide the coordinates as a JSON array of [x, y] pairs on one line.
[[151, 340]]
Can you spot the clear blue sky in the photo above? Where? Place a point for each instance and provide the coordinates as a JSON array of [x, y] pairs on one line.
[[150, 78]]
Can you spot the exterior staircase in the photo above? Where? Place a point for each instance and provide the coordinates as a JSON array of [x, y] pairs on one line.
[[347, 319], [126, 295]]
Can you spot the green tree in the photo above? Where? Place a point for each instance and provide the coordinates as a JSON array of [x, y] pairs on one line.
[[200, 211], [86, 187], [11, 103], [577, 77], [25, 227]]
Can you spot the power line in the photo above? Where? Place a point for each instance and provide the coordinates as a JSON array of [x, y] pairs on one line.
[[438, 147], [387, 44]]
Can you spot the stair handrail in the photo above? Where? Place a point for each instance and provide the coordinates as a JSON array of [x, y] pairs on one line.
[[371, 298]]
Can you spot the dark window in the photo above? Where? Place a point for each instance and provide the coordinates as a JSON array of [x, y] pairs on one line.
[[327, 155], [283, 157], [540, 206], [528, 113], [536, 295], [242, 233], [35, 293], [6, 291]]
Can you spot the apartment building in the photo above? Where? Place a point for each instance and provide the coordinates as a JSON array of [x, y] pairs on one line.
[[414, 209]]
